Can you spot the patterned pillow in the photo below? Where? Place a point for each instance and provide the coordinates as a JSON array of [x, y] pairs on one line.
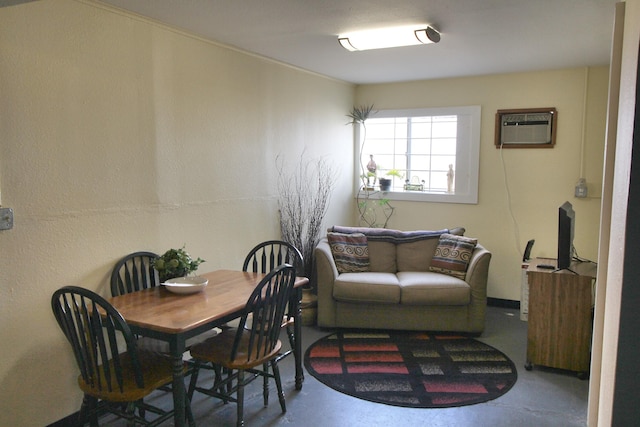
[[452, 255], [350, 252]]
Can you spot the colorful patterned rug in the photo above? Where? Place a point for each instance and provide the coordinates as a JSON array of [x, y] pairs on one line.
[[411, 369]]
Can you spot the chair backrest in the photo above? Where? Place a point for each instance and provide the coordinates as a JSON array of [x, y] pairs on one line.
[[133, 273], [98, 334], [268, 255], [265, 309]]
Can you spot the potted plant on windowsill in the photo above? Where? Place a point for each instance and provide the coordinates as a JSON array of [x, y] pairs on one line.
[[385, 183]]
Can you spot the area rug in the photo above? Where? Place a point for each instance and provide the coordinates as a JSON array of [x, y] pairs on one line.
[[411, 369]]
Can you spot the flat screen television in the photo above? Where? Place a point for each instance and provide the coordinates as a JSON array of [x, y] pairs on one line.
[[566, 228]]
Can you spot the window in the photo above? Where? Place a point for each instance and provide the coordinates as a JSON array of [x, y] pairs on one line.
[[435, 152]]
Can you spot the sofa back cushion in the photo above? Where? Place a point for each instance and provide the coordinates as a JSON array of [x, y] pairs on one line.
[[452, 255], [382, 257], [391, 251], [416, 255]]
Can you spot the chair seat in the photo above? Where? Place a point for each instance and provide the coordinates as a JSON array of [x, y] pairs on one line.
[[157, 370], [217, 350]]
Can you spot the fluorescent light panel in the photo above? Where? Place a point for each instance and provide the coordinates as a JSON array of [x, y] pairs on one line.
[[389, 37]]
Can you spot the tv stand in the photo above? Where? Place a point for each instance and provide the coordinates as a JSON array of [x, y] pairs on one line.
[[565, 269], [560, 316]]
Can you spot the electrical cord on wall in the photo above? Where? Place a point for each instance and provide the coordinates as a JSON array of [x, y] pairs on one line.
[[516, 229]]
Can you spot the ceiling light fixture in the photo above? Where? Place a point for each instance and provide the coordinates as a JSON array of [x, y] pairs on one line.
[[389, 37]]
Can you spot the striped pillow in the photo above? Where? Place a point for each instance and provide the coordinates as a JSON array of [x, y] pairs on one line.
[[452, 255], [350, 252]]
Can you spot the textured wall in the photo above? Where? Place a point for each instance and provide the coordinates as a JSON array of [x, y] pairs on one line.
[[117, 135]]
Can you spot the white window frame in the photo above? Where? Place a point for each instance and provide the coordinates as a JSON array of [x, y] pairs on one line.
[[467, 155]]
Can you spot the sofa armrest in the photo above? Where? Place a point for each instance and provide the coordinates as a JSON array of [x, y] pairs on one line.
[[327, 273], [478, 269], [477, 274]]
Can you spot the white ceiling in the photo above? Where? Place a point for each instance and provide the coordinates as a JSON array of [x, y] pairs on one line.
[[478, 36]]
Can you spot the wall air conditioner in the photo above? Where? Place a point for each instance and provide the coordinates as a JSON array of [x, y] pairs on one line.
[[526, 128]]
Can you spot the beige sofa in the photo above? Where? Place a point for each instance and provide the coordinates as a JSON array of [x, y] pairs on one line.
[[399, 290]]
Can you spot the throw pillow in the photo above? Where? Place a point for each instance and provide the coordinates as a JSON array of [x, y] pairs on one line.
[[452, 255], [350, 252]]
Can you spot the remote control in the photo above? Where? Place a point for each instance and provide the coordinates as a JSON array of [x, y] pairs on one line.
[[547, 266]]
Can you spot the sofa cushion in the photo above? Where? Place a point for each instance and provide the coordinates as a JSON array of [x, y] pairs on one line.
[[350, 252], [452, 255], [427, 288], [370, 287], [416, 256], [382, 257]]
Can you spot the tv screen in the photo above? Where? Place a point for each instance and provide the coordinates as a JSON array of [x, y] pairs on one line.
[[566, 226]]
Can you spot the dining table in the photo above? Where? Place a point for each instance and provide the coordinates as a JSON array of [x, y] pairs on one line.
[[173, 317]]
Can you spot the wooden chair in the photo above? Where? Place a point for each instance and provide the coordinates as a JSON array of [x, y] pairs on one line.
[[240, 350], [266, 256], [134, 272], [115, 375]]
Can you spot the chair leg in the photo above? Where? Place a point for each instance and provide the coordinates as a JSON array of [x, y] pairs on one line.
[[240, 398], [217, 380], [194, 379], [190, 419], [130, 412], [276, 376], [265, 384], [291, 335], [88, 411]]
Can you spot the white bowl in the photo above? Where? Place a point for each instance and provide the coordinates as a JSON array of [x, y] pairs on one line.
[[186, 285]]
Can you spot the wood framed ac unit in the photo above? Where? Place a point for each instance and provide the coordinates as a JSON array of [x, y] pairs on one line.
[[526, 128]]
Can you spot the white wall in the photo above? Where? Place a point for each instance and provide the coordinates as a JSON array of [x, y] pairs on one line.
[[614, 367], [539, 180], [117, 135]]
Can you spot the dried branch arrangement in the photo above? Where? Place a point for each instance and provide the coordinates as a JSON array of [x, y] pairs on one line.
[[305, 191]]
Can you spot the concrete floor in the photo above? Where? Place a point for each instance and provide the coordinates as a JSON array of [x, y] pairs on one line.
[[541, 397]]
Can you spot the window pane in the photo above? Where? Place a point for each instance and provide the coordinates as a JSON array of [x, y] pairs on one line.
[[420, 130], [445, 129], [441, 163], [421, 146], [443, 146], [421, 163]]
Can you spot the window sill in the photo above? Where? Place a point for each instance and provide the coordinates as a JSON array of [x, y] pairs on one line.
[[419, 196]]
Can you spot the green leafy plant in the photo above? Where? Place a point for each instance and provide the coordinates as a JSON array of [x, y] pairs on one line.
[[359, 116], [395, 172], [175, 263], [373, 210]]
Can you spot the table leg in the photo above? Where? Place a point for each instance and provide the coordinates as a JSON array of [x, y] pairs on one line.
[[297, 332], [179, 393]]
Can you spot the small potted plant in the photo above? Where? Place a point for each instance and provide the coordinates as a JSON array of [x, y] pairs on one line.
[[175, 263], [385, 183]]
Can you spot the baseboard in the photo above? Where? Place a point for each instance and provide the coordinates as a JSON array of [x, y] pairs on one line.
[[68, 421], [504, 303]]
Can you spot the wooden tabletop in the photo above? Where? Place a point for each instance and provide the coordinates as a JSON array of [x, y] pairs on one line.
[[160, 310]]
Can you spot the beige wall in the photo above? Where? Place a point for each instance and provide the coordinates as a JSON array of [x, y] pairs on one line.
[[120, 135], [539, 180]]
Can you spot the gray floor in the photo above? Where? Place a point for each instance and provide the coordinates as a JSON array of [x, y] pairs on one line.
[[541, 397]]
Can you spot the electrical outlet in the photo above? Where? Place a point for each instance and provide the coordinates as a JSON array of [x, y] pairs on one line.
[[6, 218]]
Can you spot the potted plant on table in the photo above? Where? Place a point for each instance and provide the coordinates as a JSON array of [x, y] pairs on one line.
[[175, 263]]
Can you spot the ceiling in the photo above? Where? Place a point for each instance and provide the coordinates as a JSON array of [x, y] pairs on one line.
[[478, 36]]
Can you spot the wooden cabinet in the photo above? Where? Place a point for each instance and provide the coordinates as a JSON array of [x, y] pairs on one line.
[[560, 317]]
